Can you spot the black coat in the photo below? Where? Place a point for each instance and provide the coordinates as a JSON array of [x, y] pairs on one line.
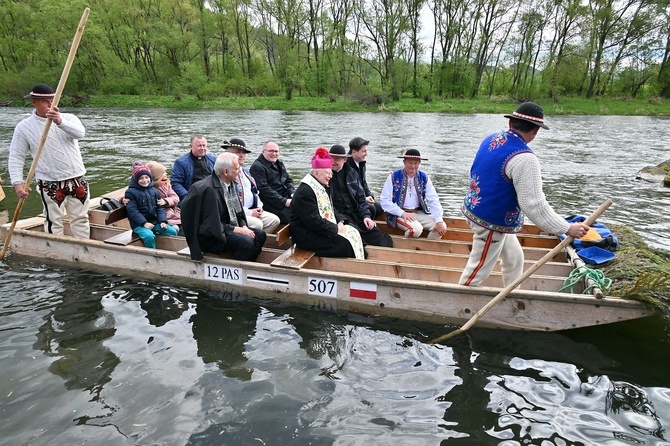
[[205, 218], [275, 185], [355, 216], [360, 170], [312, 232]]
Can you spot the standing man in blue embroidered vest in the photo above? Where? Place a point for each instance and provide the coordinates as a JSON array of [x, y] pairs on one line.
[[410, 200], [248, 192], [505, 184]]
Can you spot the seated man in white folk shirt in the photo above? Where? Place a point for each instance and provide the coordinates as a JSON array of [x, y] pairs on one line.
[[410, 200], [248, 193]]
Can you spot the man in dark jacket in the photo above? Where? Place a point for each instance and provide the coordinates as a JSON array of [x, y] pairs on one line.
[[212, 216], [191, 167], [358, 149], [275, 186], [349, 202]]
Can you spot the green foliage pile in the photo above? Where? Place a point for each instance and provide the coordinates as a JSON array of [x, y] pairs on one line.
[[639, 271]]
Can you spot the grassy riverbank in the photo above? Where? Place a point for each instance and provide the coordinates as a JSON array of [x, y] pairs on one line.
[[566, 106]]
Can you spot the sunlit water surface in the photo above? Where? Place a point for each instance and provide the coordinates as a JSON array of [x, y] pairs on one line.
[[89, 358]]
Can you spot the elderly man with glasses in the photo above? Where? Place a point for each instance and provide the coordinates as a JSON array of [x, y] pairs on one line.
[[275, 186]]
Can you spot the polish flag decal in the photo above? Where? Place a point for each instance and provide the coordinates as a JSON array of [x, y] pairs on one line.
[[363, 290]]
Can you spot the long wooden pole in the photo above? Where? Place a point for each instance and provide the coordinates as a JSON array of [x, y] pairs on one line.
[[502, 294], [47, 126]]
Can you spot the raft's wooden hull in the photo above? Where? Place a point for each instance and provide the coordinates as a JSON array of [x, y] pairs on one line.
[[415, 280]]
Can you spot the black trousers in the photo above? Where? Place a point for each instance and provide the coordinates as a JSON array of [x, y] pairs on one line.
[[243, 247]]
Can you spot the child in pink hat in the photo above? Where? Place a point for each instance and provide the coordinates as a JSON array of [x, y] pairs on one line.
[[147, 217]]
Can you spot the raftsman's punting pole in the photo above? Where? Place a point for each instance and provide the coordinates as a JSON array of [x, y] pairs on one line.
[[47, 125], [509, 288]]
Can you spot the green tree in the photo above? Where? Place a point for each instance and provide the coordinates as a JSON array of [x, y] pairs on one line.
[[564, 15], [386, 25]]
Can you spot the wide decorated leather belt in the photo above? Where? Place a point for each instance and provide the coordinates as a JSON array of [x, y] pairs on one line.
[[411, 211]]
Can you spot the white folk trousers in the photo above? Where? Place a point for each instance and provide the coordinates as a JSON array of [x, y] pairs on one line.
[[487, 247]]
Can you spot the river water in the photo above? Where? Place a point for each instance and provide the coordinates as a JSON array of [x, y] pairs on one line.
[[90, 358]]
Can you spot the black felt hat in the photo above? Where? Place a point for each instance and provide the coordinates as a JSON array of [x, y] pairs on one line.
[[412, 154], [530, 112], [40, 91], [339, 151], [236, 143]]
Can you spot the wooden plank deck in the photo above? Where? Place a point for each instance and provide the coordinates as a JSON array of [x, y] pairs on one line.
[[293, 258]]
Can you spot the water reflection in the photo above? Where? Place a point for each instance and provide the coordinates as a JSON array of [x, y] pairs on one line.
[[332, 383], [115, 358], [74, 333], [162, 306], [554, 392], [222, 335], [632, 404]]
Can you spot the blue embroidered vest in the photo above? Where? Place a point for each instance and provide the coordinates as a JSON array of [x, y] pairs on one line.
[[400, 188], [240, 191], [491, 201]]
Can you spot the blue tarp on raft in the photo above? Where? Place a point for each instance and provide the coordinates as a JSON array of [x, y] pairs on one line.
[[595, 252]]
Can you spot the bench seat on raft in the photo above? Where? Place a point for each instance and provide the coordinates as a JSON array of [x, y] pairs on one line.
[[124, 238], [293, 258]]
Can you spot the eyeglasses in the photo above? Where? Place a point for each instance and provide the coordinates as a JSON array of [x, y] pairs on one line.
[[271, 151]]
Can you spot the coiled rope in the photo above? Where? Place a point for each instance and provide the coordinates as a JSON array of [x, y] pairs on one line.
[[583, 272]]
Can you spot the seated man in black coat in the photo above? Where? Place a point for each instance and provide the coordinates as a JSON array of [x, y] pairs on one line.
[[349, 200], [212, 216], [275, 186]]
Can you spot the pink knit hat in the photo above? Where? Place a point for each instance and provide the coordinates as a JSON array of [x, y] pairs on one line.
[[322, 159]]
